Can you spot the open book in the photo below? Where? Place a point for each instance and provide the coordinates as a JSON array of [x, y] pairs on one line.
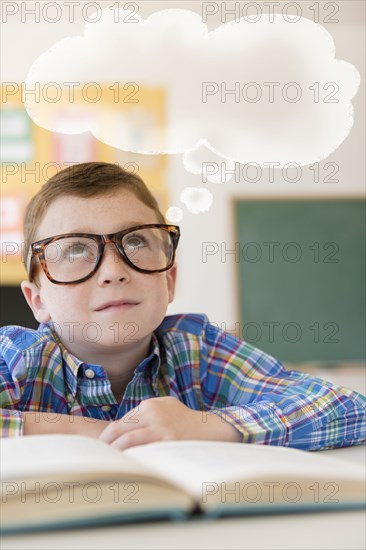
[[51, 481]]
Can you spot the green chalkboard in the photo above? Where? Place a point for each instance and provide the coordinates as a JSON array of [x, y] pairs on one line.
[[301, 277]]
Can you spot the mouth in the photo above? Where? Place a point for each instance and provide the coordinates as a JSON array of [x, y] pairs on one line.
[[115, 306]]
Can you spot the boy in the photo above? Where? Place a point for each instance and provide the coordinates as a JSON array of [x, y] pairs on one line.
[[105, 362]]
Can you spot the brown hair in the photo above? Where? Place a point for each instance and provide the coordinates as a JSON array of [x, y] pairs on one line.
[[88, 179]]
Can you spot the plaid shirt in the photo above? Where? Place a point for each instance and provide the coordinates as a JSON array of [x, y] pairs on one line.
[[205, 368]]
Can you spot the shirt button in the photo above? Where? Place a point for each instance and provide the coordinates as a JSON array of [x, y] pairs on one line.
[[89, 373], [69, 398], [106, 408]]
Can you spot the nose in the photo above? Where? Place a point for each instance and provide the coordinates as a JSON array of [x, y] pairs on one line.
[[112, 267]]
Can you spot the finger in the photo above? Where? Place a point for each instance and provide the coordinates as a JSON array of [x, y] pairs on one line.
[[128, 423], [115, 430], [140, 436]]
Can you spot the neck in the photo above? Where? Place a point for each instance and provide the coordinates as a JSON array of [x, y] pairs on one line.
[[119, 364]]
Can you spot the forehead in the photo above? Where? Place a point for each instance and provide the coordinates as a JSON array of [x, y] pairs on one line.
[[101, 214]]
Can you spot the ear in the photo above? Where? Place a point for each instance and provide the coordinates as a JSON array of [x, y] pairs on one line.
[[32, 294], [171, 276]]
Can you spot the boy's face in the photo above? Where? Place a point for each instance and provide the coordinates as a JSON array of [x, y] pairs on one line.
[[73, 308]]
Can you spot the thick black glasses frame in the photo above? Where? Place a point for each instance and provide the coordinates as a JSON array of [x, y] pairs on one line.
[[38, 249]]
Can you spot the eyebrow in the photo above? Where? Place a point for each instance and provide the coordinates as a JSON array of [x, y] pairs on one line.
[[122, 227]]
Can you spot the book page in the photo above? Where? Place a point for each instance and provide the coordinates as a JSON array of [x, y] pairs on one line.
[[65, 480], [186, 464], [189, 464], [44, 455]]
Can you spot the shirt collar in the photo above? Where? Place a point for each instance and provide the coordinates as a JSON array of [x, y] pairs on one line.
[[148, 366], [71, 363], [151, 364]]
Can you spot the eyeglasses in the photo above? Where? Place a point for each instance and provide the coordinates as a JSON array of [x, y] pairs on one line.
[[75, 257]]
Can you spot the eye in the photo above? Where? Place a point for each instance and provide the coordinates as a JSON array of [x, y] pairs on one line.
[[76, 248], [135, 241]]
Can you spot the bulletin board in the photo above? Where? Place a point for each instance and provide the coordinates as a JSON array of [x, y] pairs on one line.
[[30, 155], [301, 277]]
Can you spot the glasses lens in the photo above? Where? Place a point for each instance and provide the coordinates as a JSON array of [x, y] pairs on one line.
[[71, 258], [149, 248]]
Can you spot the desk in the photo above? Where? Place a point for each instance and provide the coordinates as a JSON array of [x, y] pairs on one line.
[[326, 530]]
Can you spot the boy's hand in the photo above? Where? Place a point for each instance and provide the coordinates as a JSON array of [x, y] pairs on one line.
[[166, 419]]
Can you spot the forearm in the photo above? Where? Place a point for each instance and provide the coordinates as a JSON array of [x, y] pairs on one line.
[[304, 422], [217, 428], [36, 423]]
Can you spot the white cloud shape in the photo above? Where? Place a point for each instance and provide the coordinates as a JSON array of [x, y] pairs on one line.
[[202, 159], [174, 214], [258, 91], [196, 199]]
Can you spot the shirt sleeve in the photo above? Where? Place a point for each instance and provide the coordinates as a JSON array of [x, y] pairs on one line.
[[270, 405], [11, 377]]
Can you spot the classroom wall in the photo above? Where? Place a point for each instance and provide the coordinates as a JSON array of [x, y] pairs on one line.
[[210, 286]]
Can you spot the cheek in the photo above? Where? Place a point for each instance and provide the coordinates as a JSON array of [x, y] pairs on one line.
[[158, 290], [65, 302]]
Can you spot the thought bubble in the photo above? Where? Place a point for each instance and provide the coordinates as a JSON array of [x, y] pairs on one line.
[[174, 214], [203, 159], [251, 90], [196, 199]]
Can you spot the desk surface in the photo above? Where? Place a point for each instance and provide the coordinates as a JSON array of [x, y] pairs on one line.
[[326, 530]]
